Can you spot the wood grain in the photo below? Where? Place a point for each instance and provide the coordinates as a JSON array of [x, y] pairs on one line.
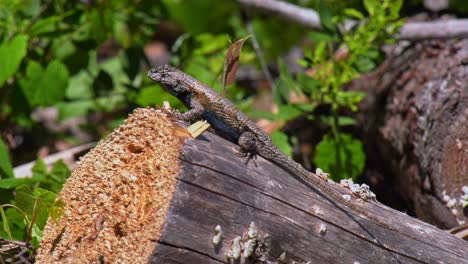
[[216, 187]]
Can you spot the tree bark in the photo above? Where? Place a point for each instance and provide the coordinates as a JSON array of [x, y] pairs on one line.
[[143, 195], [414, 120]]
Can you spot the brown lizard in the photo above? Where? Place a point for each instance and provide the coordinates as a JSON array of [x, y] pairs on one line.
[[204, 102]]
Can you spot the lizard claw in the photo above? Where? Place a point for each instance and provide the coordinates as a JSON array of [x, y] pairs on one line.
[[171, 111], [248, 155], [176, 113]]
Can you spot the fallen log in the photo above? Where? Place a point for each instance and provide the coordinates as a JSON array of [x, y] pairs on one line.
[[415, 121], [146, 195]]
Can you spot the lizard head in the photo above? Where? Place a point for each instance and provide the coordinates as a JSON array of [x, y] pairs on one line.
[[169, 80]]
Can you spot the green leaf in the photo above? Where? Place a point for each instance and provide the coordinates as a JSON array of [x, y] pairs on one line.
[[365, 64], [284, 84], [6, 170], [39, 168], [317, 36], [75, 108], [284, 71], [101, 23], [327, 120], [44, 25], [307, 83], [353, 13], [36, 236], [326, 16], [371, 6], [80, 86], [288, 112], [57, 210], [25, 199], [46, 201], [372, 53], [342, 160], [30, 8], [262, 114], [63, 47], [12, 53], [208, 43], [346, 121], [38, 201], [155, 95], [45, 87], [395, 8], [12, 183], [6, 226], [305, 107], [281, 93], [60, 171], [17, 223], [320, 52], [52, 180], [281, 141], [303, 62]]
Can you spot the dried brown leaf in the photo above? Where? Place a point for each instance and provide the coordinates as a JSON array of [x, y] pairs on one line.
[[231, 62]]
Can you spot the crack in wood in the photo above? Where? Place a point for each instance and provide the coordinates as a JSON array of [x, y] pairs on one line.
[[188, 249]]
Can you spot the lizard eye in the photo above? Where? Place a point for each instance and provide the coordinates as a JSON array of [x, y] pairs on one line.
[[155, 75]]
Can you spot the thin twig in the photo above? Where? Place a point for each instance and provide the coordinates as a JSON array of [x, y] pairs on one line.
[[14, 242], [24, 170], [259, 52], [454, 28], [35, 212], [304, 16]]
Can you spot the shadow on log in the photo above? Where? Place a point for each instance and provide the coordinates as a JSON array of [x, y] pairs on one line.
[[144, 195]]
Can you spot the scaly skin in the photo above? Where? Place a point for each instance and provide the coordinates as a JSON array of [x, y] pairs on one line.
[[205, 103]]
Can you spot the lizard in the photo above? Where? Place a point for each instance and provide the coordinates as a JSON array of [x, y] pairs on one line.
[[203, 102]]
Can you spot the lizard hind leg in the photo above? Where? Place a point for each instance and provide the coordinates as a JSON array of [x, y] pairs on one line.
[[248, 146]]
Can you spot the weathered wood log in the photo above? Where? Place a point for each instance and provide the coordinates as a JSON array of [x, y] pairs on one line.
[[415, 121], [144, 195]]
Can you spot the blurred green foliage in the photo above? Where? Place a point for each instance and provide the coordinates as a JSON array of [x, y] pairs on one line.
[[24, 214], [88, 56], [338, 58]]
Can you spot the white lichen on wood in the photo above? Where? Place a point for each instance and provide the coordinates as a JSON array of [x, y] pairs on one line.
[[464, 197], [252, 242], [321, 174], [347, 197], [323, 229], [362, 191], [252, 230], [218, 236], [235, 251]]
